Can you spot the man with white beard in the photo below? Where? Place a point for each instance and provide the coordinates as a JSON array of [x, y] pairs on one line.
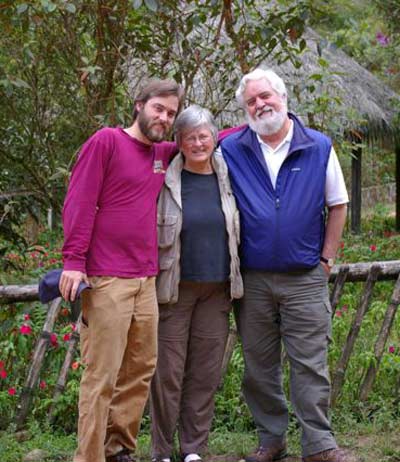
[[284, 177]]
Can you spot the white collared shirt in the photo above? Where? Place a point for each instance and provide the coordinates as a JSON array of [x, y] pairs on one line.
[[335, 187]]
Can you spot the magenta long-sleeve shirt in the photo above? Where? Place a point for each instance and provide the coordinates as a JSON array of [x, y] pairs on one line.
[[109, 214]]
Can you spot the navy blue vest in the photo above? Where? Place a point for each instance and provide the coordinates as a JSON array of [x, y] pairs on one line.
[[282, 229]]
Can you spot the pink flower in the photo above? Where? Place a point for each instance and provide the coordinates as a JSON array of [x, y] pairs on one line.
[[391, 349], [345, 308], [382, 39], [1, 364], [73, 326], [3, 374], [338, 313], [12, 391], [27, 317], [372, 248], [25, 329], [40, 264], [53, 340], [75, 365], [67, 337], [42, 384]]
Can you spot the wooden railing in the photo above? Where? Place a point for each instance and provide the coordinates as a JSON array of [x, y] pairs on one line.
[[369, 273]]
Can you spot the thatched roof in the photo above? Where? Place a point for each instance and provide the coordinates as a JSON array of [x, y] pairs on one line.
[[366, 106]]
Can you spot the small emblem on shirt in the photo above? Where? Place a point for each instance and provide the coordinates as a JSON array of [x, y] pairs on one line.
[[296, 169], [158, 166]]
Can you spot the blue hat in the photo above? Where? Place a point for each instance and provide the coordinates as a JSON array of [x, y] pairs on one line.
[[48, 286]]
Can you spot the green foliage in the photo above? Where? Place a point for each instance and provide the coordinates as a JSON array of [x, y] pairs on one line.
[[63, 74], [20, 328], [365, 31]]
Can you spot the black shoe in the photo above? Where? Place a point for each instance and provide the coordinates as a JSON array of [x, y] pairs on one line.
[[121, 456]]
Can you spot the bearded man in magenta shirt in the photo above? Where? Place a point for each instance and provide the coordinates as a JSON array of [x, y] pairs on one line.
[[109, 220]]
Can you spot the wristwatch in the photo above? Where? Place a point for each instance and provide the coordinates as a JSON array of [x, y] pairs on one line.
[[328, 261]]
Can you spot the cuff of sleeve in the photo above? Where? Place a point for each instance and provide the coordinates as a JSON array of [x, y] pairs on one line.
[[75, 265]]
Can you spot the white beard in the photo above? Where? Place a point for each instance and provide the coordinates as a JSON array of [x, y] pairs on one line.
[[268, 125]]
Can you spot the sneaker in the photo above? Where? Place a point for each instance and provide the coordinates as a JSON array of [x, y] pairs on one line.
[[192, 457]]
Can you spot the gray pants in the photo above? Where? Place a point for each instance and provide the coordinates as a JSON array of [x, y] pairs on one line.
[[293, 308], [191, 341]]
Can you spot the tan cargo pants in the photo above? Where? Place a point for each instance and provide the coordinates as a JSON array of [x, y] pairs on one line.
[[119, 349]]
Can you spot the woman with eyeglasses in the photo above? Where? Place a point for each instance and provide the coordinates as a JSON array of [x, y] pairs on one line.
[[198, 237]]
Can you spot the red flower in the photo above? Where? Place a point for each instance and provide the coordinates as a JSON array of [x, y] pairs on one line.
[[372, 248], [345, 308], [391, 349], [42, 385], [338, 313], [73, 326], [27, 317], [12, 391], [3, 374], [53, 340], [67, 337], [65, 312], [1, 364], [25, 329], [75, 365], [341, 245]]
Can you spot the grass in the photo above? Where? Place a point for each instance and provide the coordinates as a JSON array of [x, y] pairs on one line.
[[369, 442]]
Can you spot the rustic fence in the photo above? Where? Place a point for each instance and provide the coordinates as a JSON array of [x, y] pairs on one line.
[[368, 273]]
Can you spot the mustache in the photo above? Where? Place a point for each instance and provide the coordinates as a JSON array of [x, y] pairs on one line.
[[263, 110], [162, 124]]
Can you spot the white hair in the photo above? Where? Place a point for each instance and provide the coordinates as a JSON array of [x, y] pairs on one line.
[[193, 117], [277, 84]]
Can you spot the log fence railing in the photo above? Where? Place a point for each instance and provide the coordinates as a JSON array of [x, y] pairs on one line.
[[369, 273]]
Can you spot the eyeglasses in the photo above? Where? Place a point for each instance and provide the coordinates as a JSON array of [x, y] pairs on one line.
[[193, 139]]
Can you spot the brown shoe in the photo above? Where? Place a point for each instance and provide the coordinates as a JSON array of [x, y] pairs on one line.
[[331, 455], [268, 454], [121, 456]]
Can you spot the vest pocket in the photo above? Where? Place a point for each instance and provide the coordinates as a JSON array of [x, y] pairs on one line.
[[166, 230]]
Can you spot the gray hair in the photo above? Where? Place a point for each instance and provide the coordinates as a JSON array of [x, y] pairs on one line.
[[195, 116], [277, 84]]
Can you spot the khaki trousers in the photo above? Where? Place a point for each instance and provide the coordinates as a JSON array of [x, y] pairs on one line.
[[119, 348], [191, 336]]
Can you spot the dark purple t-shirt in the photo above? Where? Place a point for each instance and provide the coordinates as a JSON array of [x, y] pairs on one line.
[[110, 214]]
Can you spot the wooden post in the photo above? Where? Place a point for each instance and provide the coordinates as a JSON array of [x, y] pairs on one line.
[[36, 364], [338, 286], [229, 347], [353, 334], [356, 162], [397, 152], [381, 341], [62, 378]]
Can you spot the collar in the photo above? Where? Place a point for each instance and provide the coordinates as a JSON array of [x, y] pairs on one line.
[[300, 138], [287, 139]]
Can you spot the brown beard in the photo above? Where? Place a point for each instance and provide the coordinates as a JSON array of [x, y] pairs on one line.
[[145, 125]]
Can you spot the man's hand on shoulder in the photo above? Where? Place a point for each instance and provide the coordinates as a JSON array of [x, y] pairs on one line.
[[69, 283]]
